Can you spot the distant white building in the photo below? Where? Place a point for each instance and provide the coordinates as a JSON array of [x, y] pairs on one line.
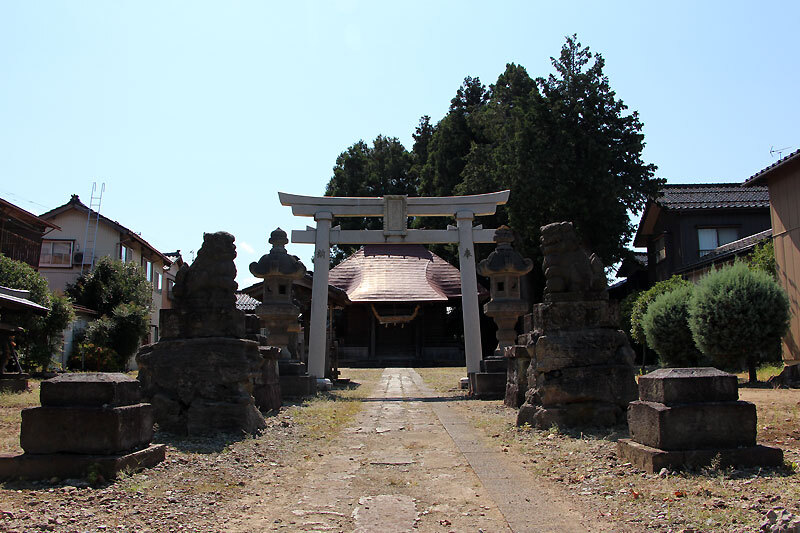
[[62, 256]]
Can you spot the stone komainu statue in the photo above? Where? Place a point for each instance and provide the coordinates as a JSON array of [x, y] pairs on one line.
[[210, 282], [567, 267]]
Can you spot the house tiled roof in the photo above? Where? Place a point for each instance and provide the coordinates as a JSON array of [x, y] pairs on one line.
[[9, 209], [245, 302], [75, 203], [730, 249], [712, 196], [758, 176], [396, 273]]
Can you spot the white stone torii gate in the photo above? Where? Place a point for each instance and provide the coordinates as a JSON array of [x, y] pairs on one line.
[[395, 210]]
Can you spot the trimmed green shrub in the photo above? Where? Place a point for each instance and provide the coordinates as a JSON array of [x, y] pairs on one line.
[[763, 258], [666, 328], [738, 316], [640, 305]]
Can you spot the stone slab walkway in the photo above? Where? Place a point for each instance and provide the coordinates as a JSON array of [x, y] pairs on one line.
[[411, 462]]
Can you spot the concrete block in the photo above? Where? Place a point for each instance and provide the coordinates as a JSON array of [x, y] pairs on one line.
[[487, 385], [708, 425], [68, 465], [86, 430], [652, 460], [688, 385], [294, 386], [95, 389]]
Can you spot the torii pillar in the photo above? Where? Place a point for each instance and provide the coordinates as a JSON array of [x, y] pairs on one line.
[[395, 210]]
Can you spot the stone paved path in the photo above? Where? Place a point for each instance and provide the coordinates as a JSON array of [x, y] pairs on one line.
[[411, 462]]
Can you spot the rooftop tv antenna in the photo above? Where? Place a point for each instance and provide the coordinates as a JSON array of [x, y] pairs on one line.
[[779, 151], [92, 221]]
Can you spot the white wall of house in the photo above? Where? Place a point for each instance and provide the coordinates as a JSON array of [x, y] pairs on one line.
[[109, 242]]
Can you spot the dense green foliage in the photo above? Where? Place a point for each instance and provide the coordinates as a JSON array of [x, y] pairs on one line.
[[42, 336], [763, 258], [644, 299], [738, 315], [565, 145], [666, 327], [122, 296]]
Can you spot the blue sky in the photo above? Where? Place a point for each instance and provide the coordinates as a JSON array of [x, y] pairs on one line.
[[195, 114]]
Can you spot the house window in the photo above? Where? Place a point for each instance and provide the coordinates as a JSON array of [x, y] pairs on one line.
[[710, 238], [125, 253], [659, 249], [148, 269], [157, 282], [56, 254]]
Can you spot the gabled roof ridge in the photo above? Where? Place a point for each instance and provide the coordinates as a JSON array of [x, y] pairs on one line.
[[732, 185], [75, 202], [780, 162]]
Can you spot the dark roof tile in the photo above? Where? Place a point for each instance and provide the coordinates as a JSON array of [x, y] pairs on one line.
[[713, 196]]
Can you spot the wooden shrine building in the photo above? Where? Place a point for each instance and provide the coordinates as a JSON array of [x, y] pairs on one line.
[[404, 307]]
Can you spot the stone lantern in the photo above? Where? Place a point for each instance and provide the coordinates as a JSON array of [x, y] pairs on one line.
[[504, 267], [278, 312]]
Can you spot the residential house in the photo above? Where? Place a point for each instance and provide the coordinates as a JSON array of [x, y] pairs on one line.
[[688, 222], [63, 257], [21, 234], [783, 180]]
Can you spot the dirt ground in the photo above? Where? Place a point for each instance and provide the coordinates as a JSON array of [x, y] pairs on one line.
[[341, 460]]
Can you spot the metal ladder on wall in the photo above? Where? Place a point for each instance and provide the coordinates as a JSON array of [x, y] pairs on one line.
[[92, 221]]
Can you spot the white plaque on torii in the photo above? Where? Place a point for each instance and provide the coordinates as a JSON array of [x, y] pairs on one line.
[[395, 210]]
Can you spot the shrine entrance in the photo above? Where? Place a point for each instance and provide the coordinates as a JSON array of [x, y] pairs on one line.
[[395, 211]]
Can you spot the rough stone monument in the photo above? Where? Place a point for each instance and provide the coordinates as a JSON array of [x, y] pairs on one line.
[[692, 417], [581, 366], [85, 421], [279, 313], [504, 267], [202, 375]]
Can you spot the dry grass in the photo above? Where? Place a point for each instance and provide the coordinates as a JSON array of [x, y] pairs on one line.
[[325, 415], [445, 380], [586, 466], [11, 403]]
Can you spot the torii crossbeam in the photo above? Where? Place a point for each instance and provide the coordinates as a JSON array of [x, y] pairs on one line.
[[395, 210]]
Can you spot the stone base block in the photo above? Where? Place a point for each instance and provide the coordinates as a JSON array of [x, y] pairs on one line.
[[487, 385], [604, 384], [86, 430], [298, 386], [653, 460], [208, 417], [574, 415], [517, 360], [579, 314], [493, 365], [197, 323], [94, 389], [267, 386], [14, 382], [577, 349], [288, 367], [68, 465], [688, 385], [707, 425]]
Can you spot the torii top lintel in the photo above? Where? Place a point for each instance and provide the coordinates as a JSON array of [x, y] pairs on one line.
[[342, 206]]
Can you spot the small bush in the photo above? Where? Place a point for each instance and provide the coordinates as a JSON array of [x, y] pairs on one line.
[[738, 316], [91, 357], [643, 300], [666, 327]]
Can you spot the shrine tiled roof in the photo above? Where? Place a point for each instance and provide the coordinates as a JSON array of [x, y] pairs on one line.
[[245, 302], [396, 273]]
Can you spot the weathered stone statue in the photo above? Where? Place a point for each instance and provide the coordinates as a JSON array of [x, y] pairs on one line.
[[204, 295], [581, 366], [278, 312], [200, 377]]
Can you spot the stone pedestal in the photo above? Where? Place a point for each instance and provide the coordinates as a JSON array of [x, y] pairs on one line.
[[85, 419], [267, 386], [204, 385], [581, 368], [518, 359], [689, 416], [14, 382]]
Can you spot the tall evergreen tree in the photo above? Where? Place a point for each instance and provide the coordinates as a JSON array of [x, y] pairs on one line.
[[363, 170]]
